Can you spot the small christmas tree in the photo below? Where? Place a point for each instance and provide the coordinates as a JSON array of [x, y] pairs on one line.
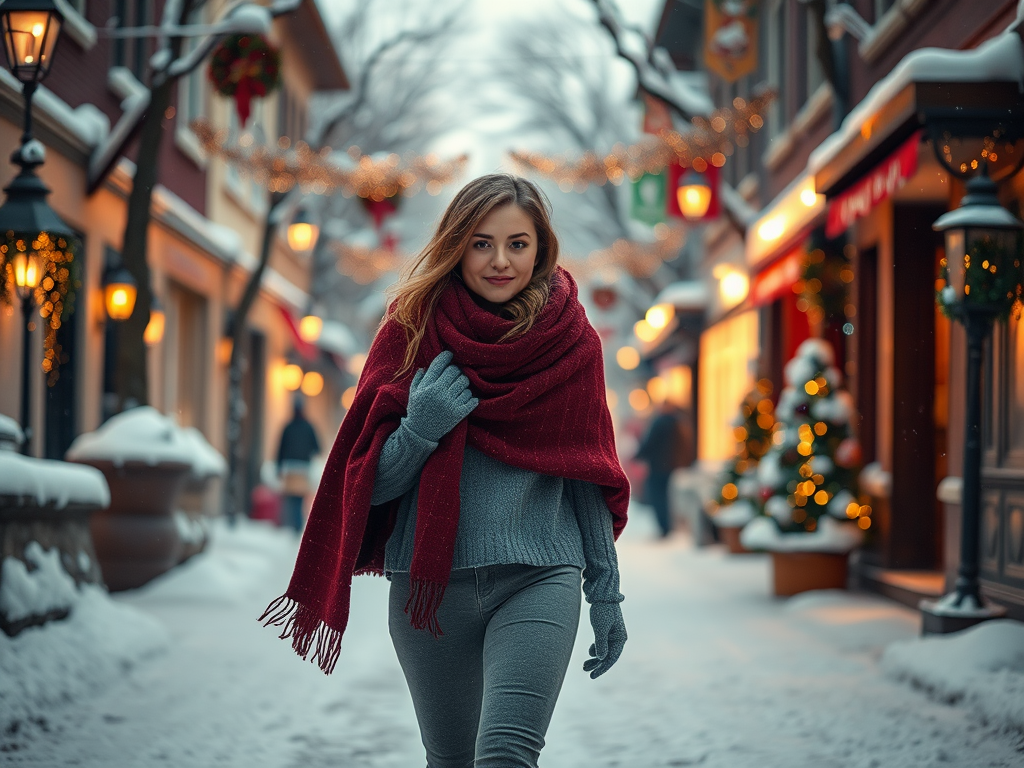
[[739, 498], [809, 477]]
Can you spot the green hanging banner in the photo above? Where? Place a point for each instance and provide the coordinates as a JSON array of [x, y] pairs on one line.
[[649, 198]]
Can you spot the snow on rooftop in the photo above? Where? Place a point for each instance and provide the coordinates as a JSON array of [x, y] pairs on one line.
[[982, 668], [1000, 59], [49, 483], [140, 434], [336, 337]]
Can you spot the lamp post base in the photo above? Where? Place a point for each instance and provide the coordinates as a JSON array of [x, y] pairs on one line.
[[955, 612]]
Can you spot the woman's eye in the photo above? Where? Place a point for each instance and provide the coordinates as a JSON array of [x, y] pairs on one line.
[[518, 245], [481, 244]]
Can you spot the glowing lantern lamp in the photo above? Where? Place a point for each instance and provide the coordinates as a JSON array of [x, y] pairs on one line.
[[693, 195], [292, 377], [119, 293], [30, 30], [310, 328], [302, 232], [984, 272], [154, 332], [27, 272]]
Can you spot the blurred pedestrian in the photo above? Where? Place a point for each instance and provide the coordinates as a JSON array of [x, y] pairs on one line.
[[664, 447], [477, 470], [295, 451]]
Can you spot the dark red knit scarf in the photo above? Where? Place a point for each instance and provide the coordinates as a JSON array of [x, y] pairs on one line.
[[542, 408]]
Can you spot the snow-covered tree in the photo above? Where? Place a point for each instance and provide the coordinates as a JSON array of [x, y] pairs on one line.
[[739, 496], [810, 473]]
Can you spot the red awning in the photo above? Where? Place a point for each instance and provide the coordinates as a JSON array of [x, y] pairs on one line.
[[777, 280], [881, 183]]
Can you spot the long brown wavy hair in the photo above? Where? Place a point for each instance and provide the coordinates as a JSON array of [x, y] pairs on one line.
[[426, 277]]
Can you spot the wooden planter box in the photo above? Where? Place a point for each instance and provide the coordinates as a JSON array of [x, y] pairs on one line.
[[137, 538], [730, 535], [795, 572]]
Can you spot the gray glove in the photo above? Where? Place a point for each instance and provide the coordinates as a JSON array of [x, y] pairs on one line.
[[439, 398], [609, 636]]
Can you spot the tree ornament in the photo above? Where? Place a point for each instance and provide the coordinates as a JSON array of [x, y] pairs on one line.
[[245, 67]]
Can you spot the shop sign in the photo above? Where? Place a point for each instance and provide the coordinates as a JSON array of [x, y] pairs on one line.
[[649, 198], [777, 280], [880, 184], [730, 29]]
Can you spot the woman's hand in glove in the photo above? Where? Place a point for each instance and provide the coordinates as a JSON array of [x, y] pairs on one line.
[[439, 398], [609, 638]]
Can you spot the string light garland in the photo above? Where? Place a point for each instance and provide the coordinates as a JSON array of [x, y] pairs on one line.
[[638, 259], [55, 294], [365, 265], [372, 178], [710, 142]]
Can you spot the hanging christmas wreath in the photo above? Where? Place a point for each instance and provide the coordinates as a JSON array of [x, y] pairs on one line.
[[245, 67]]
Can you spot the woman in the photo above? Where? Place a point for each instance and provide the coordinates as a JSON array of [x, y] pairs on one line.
[[477, 470]]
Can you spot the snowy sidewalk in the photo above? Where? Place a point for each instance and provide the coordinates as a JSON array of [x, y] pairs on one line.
[[716, 673]]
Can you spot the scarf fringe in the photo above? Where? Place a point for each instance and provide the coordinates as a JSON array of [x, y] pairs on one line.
[[424, 600], [305, 628]]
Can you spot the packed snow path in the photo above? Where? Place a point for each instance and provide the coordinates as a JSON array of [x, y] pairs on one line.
[[716, 673]]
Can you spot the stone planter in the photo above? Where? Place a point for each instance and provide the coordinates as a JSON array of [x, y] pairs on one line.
[[137, 538], [795, 572]]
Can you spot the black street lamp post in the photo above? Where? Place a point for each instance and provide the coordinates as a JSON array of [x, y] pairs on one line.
[[30, 31], [983, 274]]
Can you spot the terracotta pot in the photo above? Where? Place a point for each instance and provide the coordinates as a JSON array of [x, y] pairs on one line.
[[795, 572], [730, 535], [137, 538]]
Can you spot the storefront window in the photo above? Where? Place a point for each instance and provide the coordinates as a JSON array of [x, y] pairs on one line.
[[1015, 376], [725, 376]]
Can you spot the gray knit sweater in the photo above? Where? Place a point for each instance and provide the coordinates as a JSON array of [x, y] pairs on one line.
[[508, 515]]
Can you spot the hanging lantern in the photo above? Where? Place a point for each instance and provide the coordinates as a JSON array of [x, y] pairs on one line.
[[983, 255], [693, 195], [302, 232], [30, 30], [154, 332], [119, 293], [27, 272]]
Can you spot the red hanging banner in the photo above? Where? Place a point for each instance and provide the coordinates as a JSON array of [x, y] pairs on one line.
[[880, 184]]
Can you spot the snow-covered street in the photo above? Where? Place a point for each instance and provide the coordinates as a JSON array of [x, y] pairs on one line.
[[716, 673]]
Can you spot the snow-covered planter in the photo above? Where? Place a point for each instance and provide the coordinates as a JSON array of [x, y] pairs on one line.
[[45, 547], [146, 460], [197, 499]]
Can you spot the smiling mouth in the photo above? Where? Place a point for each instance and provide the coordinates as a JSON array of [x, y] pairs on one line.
[[498, 280]]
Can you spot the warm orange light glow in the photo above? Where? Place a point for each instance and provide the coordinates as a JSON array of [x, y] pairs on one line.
[[27, 269], [645, 331], [310, 327], [733, 288], [729, 491], [312, 384], [811, 387], [120, 300], [224, 347], [808, 197], [772, 229], [612, 398], [348, 397], [693, 196], [627, 358], [680, 385], [660, 315], [154, 332], [657, 389], [302, 236], [639, 400], [291, 377]]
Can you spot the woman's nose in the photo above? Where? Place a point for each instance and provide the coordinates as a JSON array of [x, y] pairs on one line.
[[499, 259]]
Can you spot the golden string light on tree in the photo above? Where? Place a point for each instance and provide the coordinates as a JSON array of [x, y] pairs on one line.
[[711, 141], [373, 178]]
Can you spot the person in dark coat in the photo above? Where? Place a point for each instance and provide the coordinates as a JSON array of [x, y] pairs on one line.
[[297, 447], [661, 449]]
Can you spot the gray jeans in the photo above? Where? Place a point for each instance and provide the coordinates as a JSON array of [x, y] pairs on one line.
[[485, 690]]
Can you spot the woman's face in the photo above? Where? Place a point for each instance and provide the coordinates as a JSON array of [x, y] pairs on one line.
[[499, 260]]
